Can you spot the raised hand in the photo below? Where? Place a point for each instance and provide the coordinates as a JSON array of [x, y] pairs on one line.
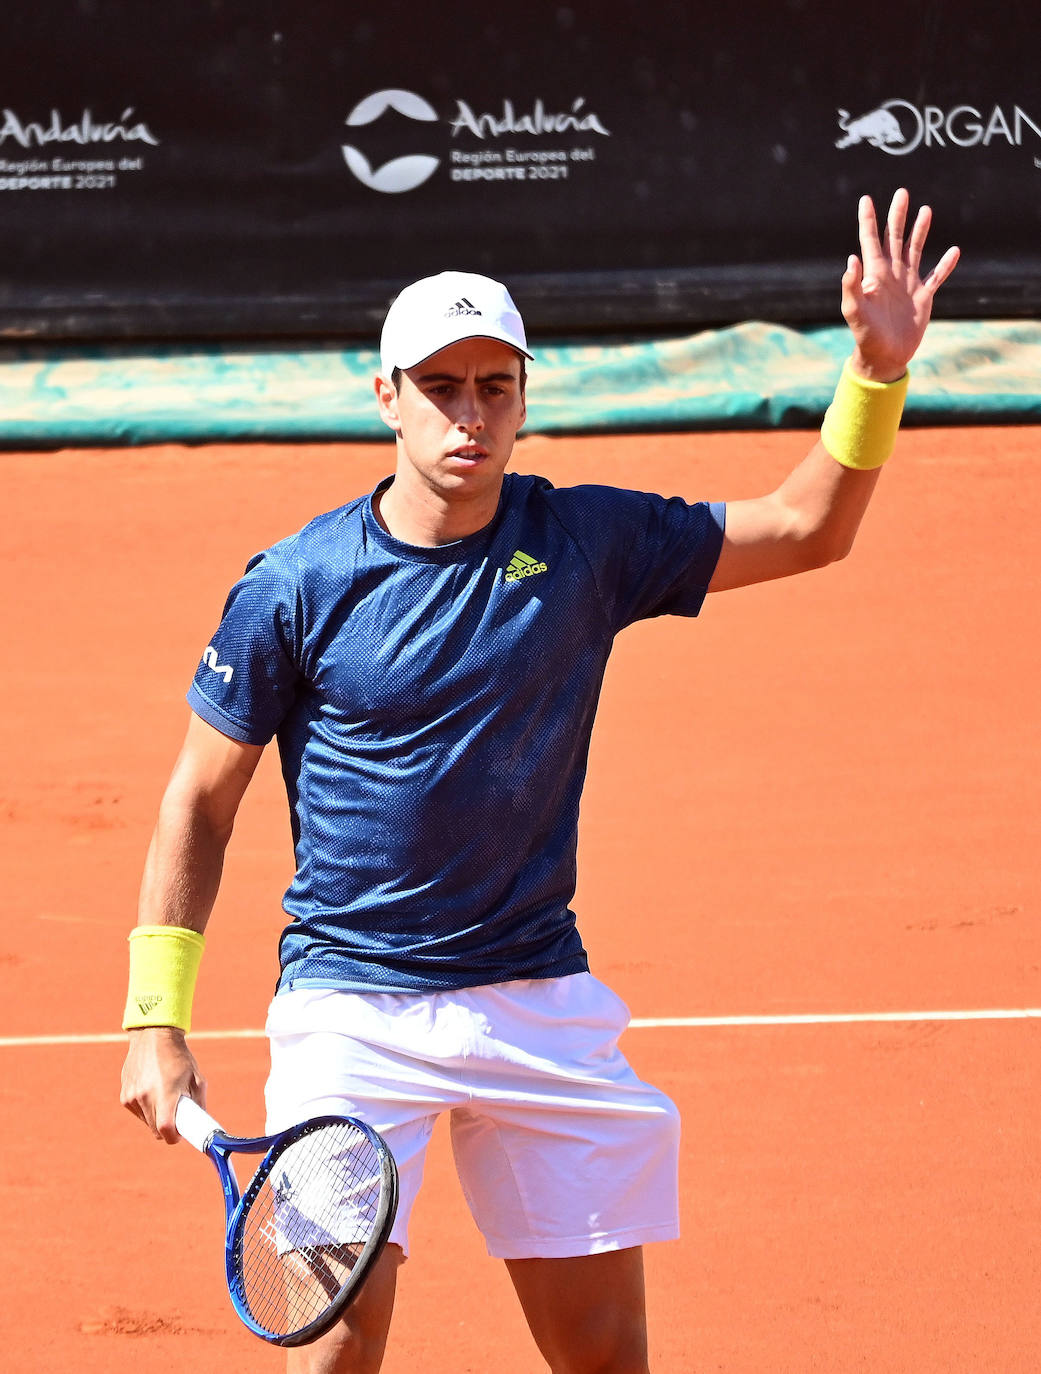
[[885, 302]]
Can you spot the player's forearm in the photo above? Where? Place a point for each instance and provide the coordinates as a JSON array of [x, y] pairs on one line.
[[825, 503], [184, 866], [181, 878]]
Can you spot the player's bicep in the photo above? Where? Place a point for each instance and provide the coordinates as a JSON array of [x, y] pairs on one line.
[[196, 817], [761, 542], [809, 521]]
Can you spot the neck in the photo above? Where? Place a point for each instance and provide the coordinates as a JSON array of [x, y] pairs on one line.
[[428, 518]]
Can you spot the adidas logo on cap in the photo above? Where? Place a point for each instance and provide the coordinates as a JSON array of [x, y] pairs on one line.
[[461, 307]]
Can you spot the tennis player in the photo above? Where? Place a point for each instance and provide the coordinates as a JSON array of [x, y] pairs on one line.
[[429, 659]]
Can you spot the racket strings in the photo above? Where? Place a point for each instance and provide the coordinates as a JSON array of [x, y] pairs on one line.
[[304, 1226]]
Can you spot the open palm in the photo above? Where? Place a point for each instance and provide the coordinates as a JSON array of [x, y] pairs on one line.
[[885, 302]]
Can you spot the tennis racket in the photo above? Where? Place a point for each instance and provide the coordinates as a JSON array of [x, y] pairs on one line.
[[310, 1225]]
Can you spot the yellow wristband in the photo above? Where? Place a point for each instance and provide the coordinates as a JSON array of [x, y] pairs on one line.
[[861, 424], [164, 963]]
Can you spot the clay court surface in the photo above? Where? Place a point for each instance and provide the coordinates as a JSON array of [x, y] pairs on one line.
[[819, 798]]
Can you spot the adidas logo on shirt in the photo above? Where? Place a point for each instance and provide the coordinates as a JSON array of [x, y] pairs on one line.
[[461, 307], [523, 565]]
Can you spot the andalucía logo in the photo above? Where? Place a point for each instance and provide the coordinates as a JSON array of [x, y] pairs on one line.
[[84, 131], [424, 140], [897, 127], [400, 173]]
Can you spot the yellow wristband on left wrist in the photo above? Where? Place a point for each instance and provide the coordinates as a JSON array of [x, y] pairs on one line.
[[164, 964], [861, 424]]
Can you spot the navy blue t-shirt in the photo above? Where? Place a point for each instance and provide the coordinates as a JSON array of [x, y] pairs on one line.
[[433, 708]]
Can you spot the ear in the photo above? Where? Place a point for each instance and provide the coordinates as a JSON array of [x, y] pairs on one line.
[[387, 401]]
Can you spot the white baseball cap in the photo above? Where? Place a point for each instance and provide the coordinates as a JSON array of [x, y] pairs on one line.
[[437, 311]]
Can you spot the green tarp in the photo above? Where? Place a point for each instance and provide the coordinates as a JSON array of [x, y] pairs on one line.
[[751, 376]]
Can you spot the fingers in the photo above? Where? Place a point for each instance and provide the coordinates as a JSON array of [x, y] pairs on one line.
[[140, 1103], [161, 1117], [893, 247], [166, 1120], [890, 251], [165, 1124], [942, 270], [852, 286], [141, 1107], [893, 250], [919, 234], [916, 247], [158, 1069], [870, 247]]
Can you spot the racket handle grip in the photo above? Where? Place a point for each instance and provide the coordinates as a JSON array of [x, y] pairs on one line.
[[196, 1125]]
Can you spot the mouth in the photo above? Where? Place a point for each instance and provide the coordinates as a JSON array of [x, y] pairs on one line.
[[469, 453]]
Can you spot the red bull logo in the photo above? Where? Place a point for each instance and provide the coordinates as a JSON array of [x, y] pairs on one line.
[[897, 127]]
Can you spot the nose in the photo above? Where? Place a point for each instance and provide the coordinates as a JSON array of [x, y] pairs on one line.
[[468, 416]]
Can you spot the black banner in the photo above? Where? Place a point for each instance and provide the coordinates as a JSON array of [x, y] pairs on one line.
[[269, 169]]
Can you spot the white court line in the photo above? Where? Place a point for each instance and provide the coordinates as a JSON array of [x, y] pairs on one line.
[[638, 1023], [838, 1018], [10, 1042]]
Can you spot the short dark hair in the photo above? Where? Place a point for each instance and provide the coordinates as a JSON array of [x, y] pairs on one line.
[[395, 375]]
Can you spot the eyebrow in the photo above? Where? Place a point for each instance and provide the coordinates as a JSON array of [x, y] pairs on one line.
[[485, 377]]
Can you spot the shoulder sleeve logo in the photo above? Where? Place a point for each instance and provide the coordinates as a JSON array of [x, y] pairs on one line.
[[210, 659]]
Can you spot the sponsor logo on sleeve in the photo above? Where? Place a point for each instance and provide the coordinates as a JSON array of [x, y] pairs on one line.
[[224, 670]]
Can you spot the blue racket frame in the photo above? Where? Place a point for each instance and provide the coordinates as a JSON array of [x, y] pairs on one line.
[[220, 1146]]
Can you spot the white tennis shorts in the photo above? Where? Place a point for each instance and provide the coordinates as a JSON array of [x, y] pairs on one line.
[[560, 1148]]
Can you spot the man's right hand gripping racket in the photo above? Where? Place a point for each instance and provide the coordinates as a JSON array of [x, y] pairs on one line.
[[310, 1225]]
